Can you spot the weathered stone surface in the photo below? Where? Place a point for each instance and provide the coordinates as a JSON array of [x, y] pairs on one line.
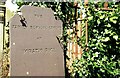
[[35, 50]]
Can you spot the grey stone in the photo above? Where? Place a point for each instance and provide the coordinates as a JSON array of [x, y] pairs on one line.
[[34, 48]]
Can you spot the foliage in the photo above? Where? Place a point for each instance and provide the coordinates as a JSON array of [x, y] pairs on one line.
[[103, 58], [6, 54]]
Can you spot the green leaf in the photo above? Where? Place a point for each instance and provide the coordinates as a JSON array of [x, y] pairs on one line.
[[106, 31], [94, 39], [102, 70], [113, 19], [102, 16], [106, 39], [94, 30], [90, 18], [19, 2], [98, 21], [108, 25], [115, 37]]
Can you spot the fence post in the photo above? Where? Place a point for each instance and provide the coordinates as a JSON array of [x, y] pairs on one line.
[[106, 7], [86, 25], [74, 37]]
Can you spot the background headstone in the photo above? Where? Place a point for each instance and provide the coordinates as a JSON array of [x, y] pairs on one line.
[[35, 50]]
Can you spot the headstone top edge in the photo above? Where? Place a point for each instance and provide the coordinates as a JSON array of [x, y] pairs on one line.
[[34, 35], [25, 7]]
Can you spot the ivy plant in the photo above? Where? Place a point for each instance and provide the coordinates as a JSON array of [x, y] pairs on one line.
[[102, 60]]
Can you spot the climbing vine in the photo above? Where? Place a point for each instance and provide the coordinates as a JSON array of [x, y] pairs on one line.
[[102, 60]]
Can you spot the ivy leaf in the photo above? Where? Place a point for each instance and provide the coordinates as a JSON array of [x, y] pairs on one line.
[[102, 70], [108, 25], [115, 37], [35, 4], [113, 19], [98, 21], [94, 30], [106, 39], [106, 31], [90, 18], [102, 16]]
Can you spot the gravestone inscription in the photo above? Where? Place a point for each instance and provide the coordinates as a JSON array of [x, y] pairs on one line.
[[35, 50]]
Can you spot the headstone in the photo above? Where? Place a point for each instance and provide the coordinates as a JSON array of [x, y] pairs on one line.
[[35, 50]]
